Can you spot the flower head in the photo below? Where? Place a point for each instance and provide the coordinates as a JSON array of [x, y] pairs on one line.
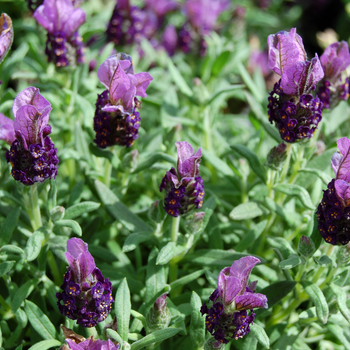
[[7, 133], [228, 316], [86, 295], [159, 315], [184, 187], [32, 154], [61, 20], [161, 7], [333, 212], [6, 35], [335, 85], [116, 120], [92, 344]]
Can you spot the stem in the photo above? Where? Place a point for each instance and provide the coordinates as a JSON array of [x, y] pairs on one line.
[[173, 269], [108, 172], [92, 331], [175, 229], [35, 208], [321, 269], [286, 164], [207, 131]]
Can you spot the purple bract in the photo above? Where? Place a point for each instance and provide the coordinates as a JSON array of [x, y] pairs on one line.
[[61, 20], [91, 344], [228, 316], [86, 295], [6, 35], [116, 120], [32, 154], [183, 187], [333, 212], [7, 132]]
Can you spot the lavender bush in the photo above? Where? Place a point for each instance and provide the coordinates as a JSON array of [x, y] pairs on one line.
[[221, 221]]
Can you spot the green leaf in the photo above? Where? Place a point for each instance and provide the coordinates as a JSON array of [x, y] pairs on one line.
[[341, 300], [166, 253], [9, 225], [297, 191], [157, 336], [81, 144], [12, 249], [123, 309], [45, 344], [52, 195], [120, 211], [178, 79], [133, 240], [218, 93], [78, 209], [260, 334], [104, 153], [39, 321], [6, 266], [318, 299], [217, 163], [287, 340], [34, 244], [278, 209], [308, 314], [326, 179], [316, 236], [220, 62], [139, 316], [71, 224], [197, 326], [340, 334], [252, 159], [247, 210], [22, 293], [250, 238], [250, 83], [114, 335], [250, 342], [292, 261], [154, 158], [186, 279]]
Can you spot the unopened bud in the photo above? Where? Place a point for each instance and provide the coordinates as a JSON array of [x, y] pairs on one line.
[[213, 344], [306, 247], [130, 161], [57, 213], [277, 156], [343, 255], [158, 316], [194, 222]]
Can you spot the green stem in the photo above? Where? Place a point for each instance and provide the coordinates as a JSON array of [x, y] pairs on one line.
[[207, 131], [35, 208], [173, 269], [320, 270], [108, 172], [286, 164], [175, 229], [92, 331]]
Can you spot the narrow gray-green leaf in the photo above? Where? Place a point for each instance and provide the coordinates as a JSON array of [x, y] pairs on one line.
[[326, 179], [157, 336], [197, 326], [292, 261], [12, 249], [39, 321], [297, 191], [248, 210], [9, 225], [260, 334], [318, 299], [33, 245], [45, 344], [6, 266], [133, 240], [22, 293], [186, 279], [114, 335], [178, 79], [249, 238], [341, 301], [52, 196], [123, 309], [252, 159], [217, 163], [71, 224], [154, 158], [250, 82], [166, 253], [78, 209]]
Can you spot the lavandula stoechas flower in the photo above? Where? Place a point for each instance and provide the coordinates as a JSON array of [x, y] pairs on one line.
[[116, 120], [184, 189], [32, 154], [7, 132], [333, 213], [228, 317], [64, 46], [291, 106], [158, 316], [86, 295], [335, 84], [6, 35]]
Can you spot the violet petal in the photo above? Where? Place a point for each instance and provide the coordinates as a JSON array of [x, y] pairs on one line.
[[251, 301], [342, 189], [188, 161], [343, 172], [6, 35], [228, 286], [7, 132]]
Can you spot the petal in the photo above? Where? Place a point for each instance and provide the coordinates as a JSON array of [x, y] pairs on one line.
[[119, 85], [30, 96], [113, 108], [343, 172], [74, 346], [6, 35], [241, 270], [141, 82], [7, 132], [128, 99], [300, 78], [188, 162], [31, 123], [336, 161], [285, 50], [228, 286], [251, 301], [73, 22], [106, 70], [342, 189]]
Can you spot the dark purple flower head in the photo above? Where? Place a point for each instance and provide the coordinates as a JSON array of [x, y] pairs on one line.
[[184, 187], [6, 35], [86, 295], [32, 154], [7, 132], [228, 316], [203, 14], [61, 20], [91, 344], [116, 120]]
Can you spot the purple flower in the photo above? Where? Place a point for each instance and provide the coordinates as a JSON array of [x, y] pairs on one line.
[[61, 20], [291, 106], [86, 295], [161, 7], [6, 35], [335, 85], [170, 39], [228, 317], [91, 344], [32, 154], [333, 212], [7, 133], [183, 187], [116, 120]]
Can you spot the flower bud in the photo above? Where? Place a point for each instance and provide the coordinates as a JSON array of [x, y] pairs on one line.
[[57, 213], [213, 344], [277, 156], [306, 247], [194, 222], [343, 255], [159, 315]]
